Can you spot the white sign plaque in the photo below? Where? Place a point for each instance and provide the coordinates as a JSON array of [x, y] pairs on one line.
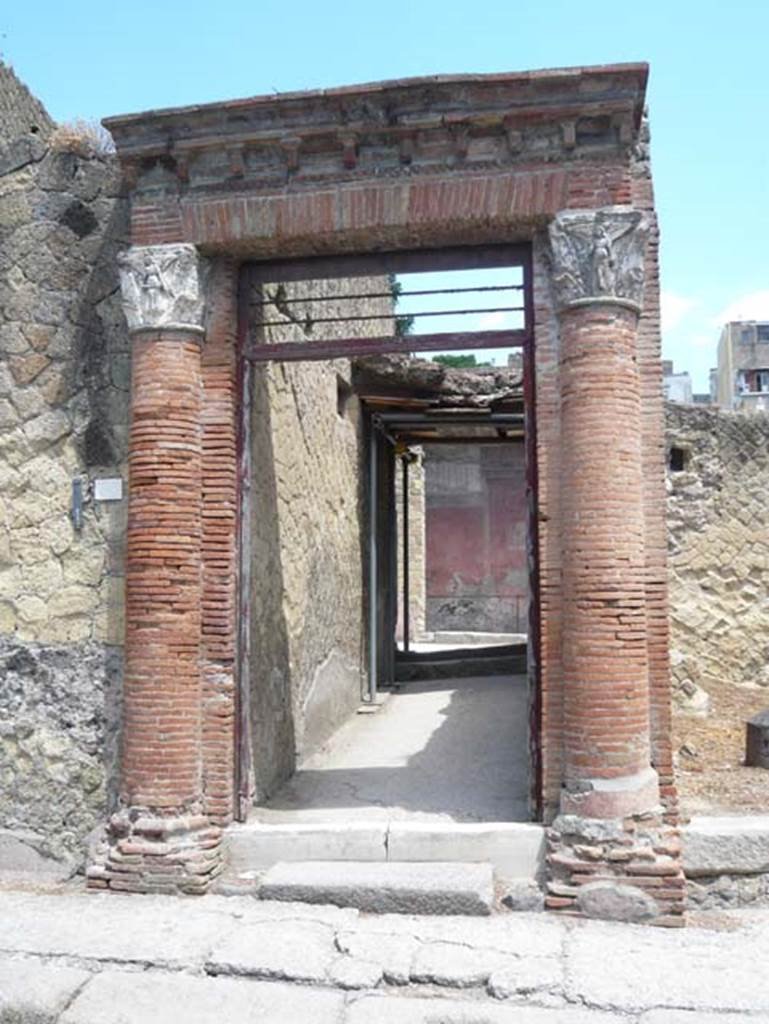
[[108, 489]]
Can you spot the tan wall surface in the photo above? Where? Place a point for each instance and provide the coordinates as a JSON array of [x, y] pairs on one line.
[[718, 524], [307, 618]]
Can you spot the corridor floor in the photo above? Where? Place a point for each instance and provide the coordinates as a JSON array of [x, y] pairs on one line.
[[443, 750]]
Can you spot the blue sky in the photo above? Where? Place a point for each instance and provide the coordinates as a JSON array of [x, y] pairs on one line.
[[708, 94]]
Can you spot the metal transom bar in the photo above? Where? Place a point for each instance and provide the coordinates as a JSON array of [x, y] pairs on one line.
[[286, 325]]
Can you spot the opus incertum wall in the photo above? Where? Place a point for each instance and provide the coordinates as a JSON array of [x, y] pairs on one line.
[[557, 159]]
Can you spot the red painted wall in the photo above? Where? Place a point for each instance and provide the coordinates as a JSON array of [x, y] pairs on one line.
[[476, 537]]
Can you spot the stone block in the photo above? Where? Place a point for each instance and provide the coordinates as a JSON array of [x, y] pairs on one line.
[[515, 849], [612, 901], [255, 845], [114, 997], [388, 888], [726, 846], [36, 993], [522, 895], [277, 951], [22, 855]]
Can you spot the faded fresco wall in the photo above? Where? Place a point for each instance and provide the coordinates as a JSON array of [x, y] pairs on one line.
[[64, 371], [718, 525], [307, 609], [477, 578]]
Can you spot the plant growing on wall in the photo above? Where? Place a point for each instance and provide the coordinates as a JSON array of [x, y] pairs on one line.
[[403, 324]]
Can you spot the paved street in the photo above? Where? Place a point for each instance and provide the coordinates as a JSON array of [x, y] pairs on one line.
[[79, 958]]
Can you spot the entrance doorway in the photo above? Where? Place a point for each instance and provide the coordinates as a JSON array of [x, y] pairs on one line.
[[402, 733]]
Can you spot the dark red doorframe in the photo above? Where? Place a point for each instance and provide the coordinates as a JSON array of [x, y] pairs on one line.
[[369, 264]]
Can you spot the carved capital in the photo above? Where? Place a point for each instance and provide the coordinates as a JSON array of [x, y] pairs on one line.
[[162, 287], [598, 255]]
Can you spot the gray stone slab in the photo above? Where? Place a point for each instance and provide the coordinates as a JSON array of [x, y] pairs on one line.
[[652, 968], [438, 888], [163, 931], [255, 846], [726, 846], [36, 993], [351, 973], [394, 953], [526, 976], [22, 857], [455, 965], [301, 951], [115, 997], [522, 935], [514, 848], [392, 1009]]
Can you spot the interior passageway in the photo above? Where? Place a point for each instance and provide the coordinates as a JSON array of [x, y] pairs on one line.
[[443, 750]]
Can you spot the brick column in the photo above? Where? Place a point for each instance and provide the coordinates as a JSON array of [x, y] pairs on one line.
[[160, 839], [609, 851]]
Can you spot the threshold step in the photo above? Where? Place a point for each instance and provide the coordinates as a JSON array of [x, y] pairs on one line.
[[384, 887], [515, 849]]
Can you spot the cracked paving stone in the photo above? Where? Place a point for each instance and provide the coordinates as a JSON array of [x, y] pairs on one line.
[[36, 992], [162, 931], [394, 953], [444, 963], [292, 951], [516, 934], [116, 997], [351, 973], [655, 969], [538, 974]]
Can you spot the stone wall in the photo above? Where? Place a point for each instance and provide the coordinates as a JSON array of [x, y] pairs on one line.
[[718, 523], [64, 370], [307, 612]]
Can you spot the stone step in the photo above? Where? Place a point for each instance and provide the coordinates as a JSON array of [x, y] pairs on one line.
[[514, 849], [384, 887]]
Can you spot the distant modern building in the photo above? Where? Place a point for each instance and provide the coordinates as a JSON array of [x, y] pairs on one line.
[[677, 386], [713, 385], [743, 366]]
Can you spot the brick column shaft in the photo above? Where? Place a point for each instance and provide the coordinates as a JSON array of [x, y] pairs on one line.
[[606, 699], [161, 763], [161, 839], [609, 852]]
